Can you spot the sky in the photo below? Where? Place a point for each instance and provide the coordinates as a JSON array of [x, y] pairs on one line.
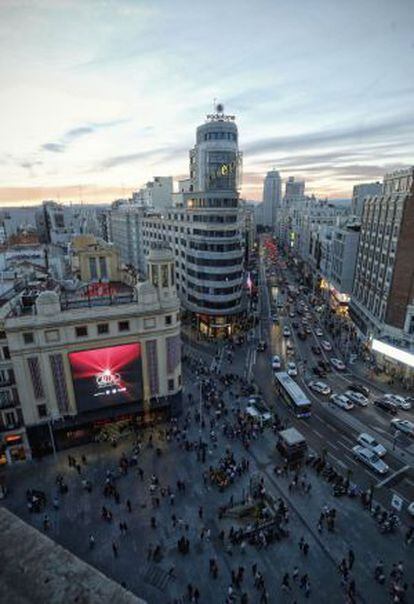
[[99, 96]]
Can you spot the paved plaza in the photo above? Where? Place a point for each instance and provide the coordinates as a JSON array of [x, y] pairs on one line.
[[188, 510]]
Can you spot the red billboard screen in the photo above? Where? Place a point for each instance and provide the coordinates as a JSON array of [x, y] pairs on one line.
[[107, 376]]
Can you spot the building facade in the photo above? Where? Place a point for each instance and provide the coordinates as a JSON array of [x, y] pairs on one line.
[[206, 230], [383, 293], [89, 363], [272, 195], [360, 192]]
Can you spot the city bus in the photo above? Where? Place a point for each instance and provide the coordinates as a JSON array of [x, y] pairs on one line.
[[292, 394]]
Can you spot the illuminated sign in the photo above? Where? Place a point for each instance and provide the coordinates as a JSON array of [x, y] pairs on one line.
[[107, 376], [403, 356]]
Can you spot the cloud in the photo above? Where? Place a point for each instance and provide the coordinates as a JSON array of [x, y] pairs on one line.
[[54, 147], [119, 160], [334, 136], [73, 134], [162, 153]]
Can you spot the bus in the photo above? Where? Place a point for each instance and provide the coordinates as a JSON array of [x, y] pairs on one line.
[[292, 394]]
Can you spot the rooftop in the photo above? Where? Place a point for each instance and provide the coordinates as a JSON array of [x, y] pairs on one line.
[[36, 570]]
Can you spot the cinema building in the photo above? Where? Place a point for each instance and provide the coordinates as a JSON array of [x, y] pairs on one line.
[[92, 363]]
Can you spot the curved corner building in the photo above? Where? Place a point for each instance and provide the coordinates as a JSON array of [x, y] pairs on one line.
[[214, 251]]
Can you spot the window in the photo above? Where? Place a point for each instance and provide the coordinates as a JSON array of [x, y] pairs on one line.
[[42, 410], [152, 361], [103, 328], [52, 335], [59, 382], [154, 274], [149, 323], [93, 269], [102, 267], [81, 331], [2, 335], [36, 377], [123, 325], [170, 384], [28, 337], [168, 320], [164, 274]]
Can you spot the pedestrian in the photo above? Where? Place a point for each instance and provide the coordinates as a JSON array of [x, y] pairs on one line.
[[254, 569], [115, 549], [150, 552], [196, 595], [286, 583], [351, 559], [91, 541], [306, 548], [295, 573], [129, 506], [200, 512], [190, 591], [301, 543]]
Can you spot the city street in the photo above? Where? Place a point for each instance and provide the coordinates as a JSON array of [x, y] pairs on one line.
[[192, 511], [331, 427]]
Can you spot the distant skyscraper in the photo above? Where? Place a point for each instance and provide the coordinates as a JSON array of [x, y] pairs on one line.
[[272, 195], [360, 192], [294, 189]]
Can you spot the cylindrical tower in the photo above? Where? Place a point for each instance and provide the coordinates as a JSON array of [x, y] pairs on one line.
[[215, 255]]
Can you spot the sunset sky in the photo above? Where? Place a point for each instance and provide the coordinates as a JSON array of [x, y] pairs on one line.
[[97, 97]]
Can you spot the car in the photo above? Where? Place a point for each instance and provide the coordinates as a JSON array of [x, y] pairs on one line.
[[290, 349], [308, 329], [319, 332], [359, 388], [316, 350], [357, 398], [369, 442], [295, 324], [292, 370], [302, 335], [410, 508], [404, 425], [258, 410], [275, 319], [261, 346], [325, 365], [337, 364], [319, 371], [370, 459], [400, 401], [320, 387], [292, 315], [326, 345], [342, 401], [276, 364], [385, 405], [304, 321], [286, 332]]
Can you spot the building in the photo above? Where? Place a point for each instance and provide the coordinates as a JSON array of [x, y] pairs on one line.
[[94, 260], [92, 361], [126, 234], [13, 442], [382, 302], [294, 190], [156, 194], [205, 230], [272, 196], [360, 192]]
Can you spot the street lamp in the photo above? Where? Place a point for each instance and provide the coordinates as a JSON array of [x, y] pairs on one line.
[[50, 419]]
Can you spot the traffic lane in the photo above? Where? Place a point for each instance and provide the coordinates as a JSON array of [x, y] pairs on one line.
[[339, 382]]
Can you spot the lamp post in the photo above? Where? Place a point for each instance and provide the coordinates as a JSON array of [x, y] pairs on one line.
[[52, 436]]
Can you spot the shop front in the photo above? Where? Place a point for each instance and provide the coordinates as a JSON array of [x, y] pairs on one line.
[[13, 448], [104, 425]]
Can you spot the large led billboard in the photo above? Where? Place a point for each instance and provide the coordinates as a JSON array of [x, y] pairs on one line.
[[107, 376]]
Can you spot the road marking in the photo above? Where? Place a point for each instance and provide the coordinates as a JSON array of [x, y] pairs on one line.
[[318, 434], [394, 475], [338, 461], [348, 440], [334, 446]]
